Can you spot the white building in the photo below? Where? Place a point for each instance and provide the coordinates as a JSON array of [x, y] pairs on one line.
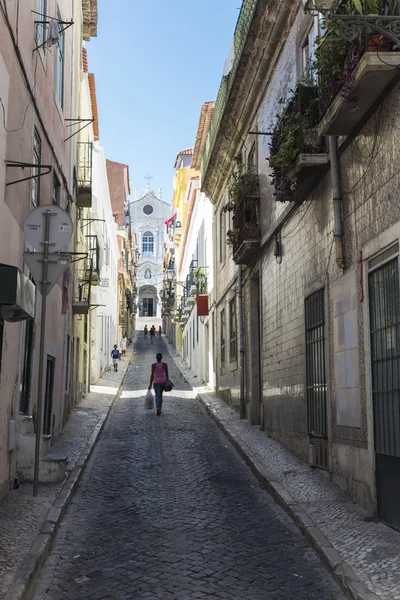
[[104, 313], [148, 215], [197, 266]]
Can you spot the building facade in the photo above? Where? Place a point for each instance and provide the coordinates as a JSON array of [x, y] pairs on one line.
[[189, 261], [306, 233], [148, 215]]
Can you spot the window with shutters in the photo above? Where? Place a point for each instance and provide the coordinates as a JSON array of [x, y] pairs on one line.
[[232, 331], [223, 337]]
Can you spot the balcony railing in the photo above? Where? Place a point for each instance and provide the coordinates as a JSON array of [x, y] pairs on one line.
[[240, 36], [353, 70], [84, 174], [296, 144], [245, 235]]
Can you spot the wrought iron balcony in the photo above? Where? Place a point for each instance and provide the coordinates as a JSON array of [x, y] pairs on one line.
[[296, 150], [355, 62], [84, 174], [245, 236]]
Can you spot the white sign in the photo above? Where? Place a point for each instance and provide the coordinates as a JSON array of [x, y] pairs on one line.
[[58, 263], [60, 228]]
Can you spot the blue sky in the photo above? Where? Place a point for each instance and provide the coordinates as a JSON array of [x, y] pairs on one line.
[[155, 63]]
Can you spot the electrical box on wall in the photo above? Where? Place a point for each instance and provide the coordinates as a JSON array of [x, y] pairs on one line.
[[11, 436]]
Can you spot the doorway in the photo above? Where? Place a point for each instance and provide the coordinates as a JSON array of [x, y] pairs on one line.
[[316, 379], [147, 307], [255, 352], [384, 308], [27, 360], [48, 398]]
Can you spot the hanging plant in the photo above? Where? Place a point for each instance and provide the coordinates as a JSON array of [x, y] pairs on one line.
[[295, 132], [244, 183]]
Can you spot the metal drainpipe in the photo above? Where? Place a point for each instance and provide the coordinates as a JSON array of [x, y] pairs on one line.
[[241, 344], [337, 201]]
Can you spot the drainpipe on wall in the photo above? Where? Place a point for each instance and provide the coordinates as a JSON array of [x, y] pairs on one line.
[[337, 201], [241, 344]]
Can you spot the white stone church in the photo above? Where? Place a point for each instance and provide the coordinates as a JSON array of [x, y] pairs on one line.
[[147, 215]]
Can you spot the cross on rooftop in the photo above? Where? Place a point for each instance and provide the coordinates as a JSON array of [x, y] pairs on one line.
[[149, 178]]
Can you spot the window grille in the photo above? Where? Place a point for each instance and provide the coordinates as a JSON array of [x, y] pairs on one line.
[[315, 364]]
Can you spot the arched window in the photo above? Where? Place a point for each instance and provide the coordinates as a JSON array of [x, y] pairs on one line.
[[148, 244]]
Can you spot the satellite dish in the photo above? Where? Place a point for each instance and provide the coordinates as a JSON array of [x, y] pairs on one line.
[[60, 228]]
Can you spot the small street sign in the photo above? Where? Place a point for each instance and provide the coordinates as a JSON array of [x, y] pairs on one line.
[[57, 264], [60, 228]]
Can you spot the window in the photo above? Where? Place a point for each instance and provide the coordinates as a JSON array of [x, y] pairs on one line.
[[148, 209], [307, 54], [223, 337], [56, 197], [26, 379], [59, 70], [222, 236], [37, 160], [94, 253], [251, 161], [1, 339], [148, 244], [41, 30], [232, 330], [315, 364]]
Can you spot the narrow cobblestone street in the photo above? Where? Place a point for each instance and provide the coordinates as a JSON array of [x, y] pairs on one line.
[[168, 509]]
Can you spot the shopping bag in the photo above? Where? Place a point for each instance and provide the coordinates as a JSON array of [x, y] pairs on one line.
[[149, 400]]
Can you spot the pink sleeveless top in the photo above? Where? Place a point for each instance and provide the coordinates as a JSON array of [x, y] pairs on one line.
[[159, 373]]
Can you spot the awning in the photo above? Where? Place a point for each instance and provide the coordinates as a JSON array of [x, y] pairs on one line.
[[169, 221]]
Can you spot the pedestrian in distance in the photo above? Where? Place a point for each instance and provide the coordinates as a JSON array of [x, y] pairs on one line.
[[159, 377], [159, 332], [152, 332], [123, 345], [115, 357], [145, 332]]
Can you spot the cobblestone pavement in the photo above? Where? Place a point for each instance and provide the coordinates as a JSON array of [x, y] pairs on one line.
[[370, 548], [168, 510], [22, 515]]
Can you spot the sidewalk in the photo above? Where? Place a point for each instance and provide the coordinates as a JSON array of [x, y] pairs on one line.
[[27, 524], [363, 555]]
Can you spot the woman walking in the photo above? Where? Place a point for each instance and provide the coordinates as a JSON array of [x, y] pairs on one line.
[[159, 376]]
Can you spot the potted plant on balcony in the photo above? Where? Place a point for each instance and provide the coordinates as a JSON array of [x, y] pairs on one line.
[[294, 133], [243, 184], [387, 8]]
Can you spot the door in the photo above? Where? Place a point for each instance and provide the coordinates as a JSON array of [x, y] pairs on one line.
[[48, 398], [316, 379], [77, 356], [147, 307], [255, 357], [384, 308], [26, 378]]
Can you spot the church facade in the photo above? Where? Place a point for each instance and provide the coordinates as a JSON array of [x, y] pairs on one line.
[[147, 215]]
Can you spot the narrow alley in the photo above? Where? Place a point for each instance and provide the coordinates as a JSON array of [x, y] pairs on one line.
[[168, 509]]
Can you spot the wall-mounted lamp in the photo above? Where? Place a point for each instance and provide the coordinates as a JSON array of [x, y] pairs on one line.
[[278, 248]]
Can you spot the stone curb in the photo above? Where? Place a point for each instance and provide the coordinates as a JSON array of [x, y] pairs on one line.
[[23, 585], [340, 569]]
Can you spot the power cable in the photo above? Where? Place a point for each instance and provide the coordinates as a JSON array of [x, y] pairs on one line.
[[26, 109]]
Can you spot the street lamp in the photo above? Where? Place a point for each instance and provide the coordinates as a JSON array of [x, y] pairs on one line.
[[170, 273], [350, 26]]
